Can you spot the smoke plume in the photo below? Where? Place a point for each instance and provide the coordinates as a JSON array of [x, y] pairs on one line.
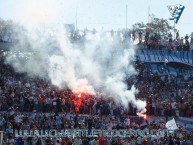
[[99, 63]]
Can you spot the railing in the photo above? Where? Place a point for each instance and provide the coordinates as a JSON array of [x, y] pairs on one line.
[[144, 55], [186, 123], [185, 57]]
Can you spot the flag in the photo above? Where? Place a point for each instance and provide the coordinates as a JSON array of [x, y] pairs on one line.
[[175, 12], [172, 9], [178, 13], [171, 125]]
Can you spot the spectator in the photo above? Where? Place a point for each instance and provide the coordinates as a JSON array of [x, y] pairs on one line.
[[177, 35], [78, 141], [170, 37]]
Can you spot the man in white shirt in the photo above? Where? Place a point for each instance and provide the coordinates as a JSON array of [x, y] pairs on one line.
[[18, 118], [94, 142], [153, 108], [10, 141], [139, 140], [57, 142], [2, 122], [125, 142], [191, 45], [78, 141], [173, 104], [191, 35], [191, 42]]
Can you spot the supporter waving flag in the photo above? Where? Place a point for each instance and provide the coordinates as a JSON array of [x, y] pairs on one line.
[[171, 125]]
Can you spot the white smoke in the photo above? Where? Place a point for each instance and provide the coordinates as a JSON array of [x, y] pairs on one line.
[[100, 63]]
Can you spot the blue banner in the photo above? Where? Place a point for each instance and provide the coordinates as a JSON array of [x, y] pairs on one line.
[[166, 56]]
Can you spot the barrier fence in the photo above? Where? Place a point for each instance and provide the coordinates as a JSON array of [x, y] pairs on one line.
[[185, 57]]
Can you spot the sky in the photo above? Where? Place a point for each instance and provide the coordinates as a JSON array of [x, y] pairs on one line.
[[106, 14]]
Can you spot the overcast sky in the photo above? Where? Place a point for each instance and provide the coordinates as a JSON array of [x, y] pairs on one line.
[[109, 14]]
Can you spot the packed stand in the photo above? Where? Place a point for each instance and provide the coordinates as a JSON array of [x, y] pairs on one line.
[[32, 103]]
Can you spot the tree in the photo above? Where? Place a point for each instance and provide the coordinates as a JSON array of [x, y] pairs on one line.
[[11, 29], [138, 26], [156, 25]]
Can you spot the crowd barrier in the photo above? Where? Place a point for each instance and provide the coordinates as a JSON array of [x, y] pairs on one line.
[[186, 123], [184, 57]]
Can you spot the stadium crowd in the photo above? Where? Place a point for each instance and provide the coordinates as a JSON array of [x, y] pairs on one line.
[[33, 103], [141, 37], [149, 40], [28, 103], [155, 42]]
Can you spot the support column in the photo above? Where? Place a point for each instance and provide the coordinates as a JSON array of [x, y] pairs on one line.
[[1, 137]]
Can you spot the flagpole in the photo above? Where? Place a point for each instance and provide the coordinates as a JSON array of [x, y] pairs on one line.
[[175, 12], [126, 17], [148, 13], [76, 22], [174, 29], [76, 19]]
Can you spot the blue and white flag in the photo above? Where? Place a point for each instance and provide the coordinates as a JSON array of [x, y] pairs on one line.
[[172, 9], [175, 12], [171, 125]]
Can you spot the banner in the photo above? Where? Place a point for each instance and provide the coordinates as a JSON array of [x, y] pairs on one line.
[[92, 133]]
